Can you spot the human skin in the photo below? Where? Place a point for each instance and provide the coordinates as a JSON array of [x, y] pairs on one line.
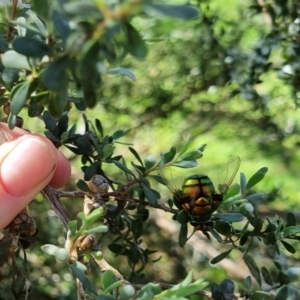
[[28, 163]]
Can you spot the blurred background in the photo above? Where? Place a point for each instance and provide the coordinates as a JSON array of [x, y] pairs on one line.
[[229, 79]]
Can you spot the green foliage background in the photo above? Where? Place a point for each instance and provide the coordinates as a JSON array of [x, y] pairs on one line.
[[229, 79]]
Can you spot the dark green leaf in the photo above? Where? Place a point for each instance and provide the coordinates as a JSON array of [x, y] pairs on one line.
[[41, 7], [123, 71], [230, 217], [99, 127], [35, 110], [13, 60], [243, 183], [252, 266], [123, 167], [19, 96], [288, 246], [90, 171], [135, 44], [82, 185], [76, 270], [116, 248], [184, 147], [119, 133], [61, 25], [266, 276], [12, 121], [248, 282], [183, 235], [55, 77], [282, 293], [72, 226], [184, 11], [183, 217], [90, 96], [223, 228], [136, 155], [150, 161], [256, 178], [220, 257], [150, 195], [9, 76], [134, 255], [290, 220], [3, 46], [50, 123], [215, 234], [31, 47]]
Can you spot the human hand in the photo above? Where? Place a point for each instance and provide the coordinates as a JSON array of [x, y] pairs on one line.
[[28, 163]]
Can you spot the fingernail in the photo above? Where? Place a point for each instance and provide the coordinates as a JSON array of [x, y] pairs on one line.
[[26, 166]]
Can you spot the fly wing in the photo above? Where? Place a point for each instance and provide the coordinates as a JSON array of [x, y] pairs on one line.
[[226, 176]]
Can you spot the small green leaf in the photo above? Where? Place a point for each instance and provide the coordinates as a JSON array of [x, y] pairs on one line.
[[108, 150], [31, 47], [185, 164], [233, 191], [184, 11], [183, 234], [123, 71], [169, 156], [220, 257], [150, 162], [266, 276], [19, 96], [72, 226], [77, 271], [135, 44], [35, 109], [243, 183], [282, 293], [230, 217], [13, 60], [288, 246], [185, 146], [223, 228], [82, 185], [248, 282], [41, 7], [290, 230], [61, 25], [136, 155], [290, 220], [10, 76], [183, 217], [252, 266], [49, 249], [120, 133], [55, 77], [256, 178], [191, 155], [99, 126]]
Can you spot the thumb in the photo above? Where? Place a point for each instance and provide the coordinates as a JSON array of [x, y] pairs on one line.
[[27, 165]]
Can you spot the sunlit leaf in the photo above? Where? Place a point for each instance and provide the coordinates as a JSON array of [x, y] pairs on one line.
[[256, 178], [266, 276], [183, 234]]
